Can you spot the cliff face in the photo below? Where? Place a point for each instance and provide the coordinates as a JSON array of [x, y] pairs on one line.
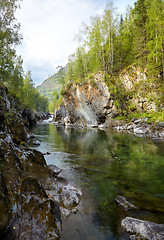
[[26, 210], [97, 101], [89, 104], [145, 94]]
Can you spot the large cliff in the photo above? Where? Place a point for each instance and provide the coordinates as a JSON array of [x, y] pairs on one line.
[[89, 103], [100, 100]]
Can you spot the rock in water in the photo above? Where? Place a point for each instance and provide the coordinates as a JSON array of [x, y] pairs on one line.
[[145, 229], [124, 203], [55, 169], [36, 143], [70, 195]]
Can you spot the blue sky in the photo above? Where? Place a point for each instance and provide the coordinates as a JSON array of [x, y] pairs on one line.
[[49, 28]]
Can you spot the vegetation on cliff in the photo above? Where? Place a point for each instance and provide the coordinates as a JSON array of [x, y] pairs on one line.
[[11, 70], [125, 49]]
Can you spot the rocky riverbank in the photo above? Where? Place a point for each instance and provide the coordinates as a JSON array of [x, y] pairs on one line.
[[92, 105], [30, 191], [139, 127]]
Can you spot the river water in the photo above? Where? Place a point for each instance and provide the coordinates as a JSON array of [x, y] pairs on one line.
[[104, 164]]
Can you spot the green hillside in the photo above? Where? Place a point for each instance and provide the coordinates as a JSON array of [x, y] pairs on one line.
[[49, 86]]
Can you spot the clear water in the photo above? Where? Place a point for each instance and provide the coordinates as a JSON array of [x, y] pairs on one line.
[[104, 164]]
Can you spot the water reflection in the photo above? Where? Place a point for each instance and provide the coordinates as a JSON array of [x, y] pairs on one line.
[[105, 164]]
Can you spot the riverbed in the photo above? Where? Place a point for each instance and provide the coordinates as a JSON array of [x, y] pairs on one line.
[[104, 164]]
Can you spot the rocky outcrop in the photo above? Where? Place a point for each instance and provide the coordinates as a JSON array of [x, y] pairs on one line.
[[60, 115], [31, 118], [26, 210], [89, 104], [30, 191], [92, 103], [144, 93]]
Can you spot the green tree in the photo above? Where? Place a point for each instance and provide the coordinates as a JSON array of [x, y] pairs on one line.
[[124, 42], [9, 37], [95, 43], [110, 28], [155, 45], [60, 75], [28, 97], [69, 68], [140, 31], [79, 64]]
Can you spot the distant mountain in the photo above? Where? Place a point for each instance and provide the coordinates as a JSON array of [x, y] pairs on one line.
[[48, 86]]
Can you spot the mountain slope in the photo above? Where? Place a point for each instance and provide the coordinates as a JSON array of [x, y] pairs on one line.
[[49, 86]]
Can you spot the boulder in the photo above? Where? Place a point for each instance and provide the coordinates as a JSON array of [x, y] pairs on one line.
[[60, 114], [140, 130], [36, 143], [89, 104], [70, 195], [144, 229], [55, 169]]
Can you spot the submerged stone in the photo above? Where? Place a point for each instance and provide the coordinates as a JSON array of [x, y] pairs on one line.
[[121, 201]]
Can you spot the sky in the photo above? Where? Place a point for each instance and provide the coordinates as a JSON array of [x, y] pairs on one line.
[[49, 28]]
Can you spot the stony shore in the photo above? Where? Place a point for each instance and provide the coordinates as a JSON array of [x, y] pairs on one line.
[[32, 194]]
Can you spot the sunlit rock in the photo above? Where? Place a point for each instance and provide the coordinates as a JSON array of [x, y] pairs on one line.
[[70, 195], [145, 229]]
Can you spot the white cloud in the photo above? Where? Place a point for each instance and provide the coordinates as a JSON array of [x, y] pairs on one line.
[[48, 28]]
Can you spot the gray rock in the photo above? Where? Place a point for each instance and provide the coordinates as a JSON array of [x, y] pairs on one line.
[[30, 135], [53, 194], [67, 121], [124, 203], [36, 143], [161, 134], [130, 126], [91, 105], [55, 169], [138, 120], [65, 212], [145, 229], [70, 195], [60, 114], [140, 130]]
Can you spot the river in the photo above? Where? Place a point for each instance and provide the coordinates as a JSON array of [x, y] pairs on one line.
[[104, 164]]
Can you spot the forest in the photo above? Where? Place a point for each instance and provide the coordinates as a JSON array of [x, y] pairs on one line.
[[19, 84], [110, 43], [113, 43]]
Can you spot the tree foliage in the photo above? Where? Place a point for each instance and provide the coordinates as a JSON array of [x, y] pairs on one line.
[[11, 70], [113, 42]]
